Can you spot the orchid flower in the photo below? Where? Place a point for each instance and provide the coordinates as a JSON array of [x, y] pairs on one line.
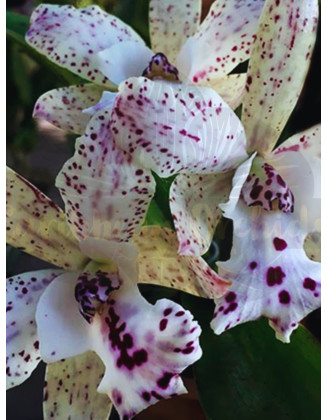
[[279, 203], [100, 48], [92, 304], [87, 319]]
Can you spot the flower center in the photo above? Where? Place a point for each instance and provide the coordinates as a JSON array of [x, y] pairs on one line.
[[266, 188], [160, 68], [93, 289]]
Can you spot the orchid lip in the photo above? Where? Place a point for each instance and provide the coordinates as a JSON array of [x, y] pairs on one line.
[[266, 188], [160, 68]]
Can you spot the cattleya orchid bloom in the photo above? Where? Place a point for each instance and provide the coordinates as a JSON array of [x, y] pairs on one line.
[[91, 306], [100, 48], [279, 203]]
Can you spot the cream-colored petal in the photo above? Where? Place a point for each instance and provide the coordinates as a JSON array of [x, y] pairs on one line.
[[36, 225], [172, 23], [277, 69], [312, 246], [230, 88], [71, 389], [160, 264], [63, 107]]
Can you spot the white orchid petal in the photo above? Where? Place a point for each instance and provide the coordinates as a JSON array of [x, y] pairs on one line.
[[105, 102], [72, 37], [298, 160], [105, 195], [23, 293], [124, 60], [171, 127], [270, 272], [224, 40], [143, 347]]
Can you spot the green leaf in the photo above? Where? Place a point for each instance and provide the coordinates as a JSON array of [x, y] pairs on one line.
[[155, 216], [246, 374], [159, 210], [17, 26]]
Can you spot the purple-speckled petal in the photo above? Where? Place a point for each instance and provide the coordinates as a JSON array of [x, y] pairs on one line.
[[277, 69], [271, 274], [172, 23], [171, 127], [106, 196], [143, 347], [71, 389], [298, 160], [63, 107], [224, 40], [194, 204], [160, 264], [264, 187], [72, 37], [106, 102], [23, 293], [36, 225]]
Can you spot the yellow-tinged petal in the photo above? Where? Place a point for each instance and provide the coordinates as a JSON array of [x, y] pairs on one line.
[[312, 246], [172, 23], [160, 264], [36, 225], [230, 88], [71, 389], [278, 65]]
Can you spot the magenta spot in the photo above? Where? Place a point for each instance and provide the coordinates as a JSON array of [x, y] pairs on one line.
[[187, 350], [284, 297], [163, 324], [123, 344], [253, 265], [146, 396], [309, 284], [167, 311], [279, 244], [163, 382], [140, 357], [230, 297], [274, 276]]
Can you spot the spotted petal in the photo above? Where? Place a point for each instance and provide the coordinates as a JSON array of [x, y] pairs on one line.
[[160, 264], [231, 88], [143, 347], [36, 225], [106, 196], [271, 274], [72, 37], [223, 40], [23, 293], [71, 389], [63, 107], [171, 127], [298, 160], [172, 23], [277, 69], [194, 204]]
